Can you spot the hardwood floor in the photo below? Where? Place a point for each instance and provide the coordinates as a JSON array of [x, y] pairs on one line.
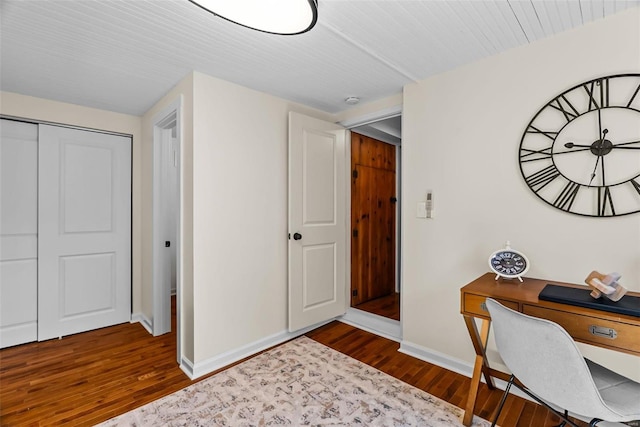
[[86, 378], [90, 377], [449, 386], [388, 306]]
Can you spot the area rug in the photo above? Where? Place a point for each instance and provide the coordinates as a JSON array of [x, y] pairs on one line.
[[299, 383]]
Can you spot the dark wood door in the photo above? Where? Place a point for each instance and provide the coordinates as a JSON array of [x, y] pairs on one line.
[[373, 218]]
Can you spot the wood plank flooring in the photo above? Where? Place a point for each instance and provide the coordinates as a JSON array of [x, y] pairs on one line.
[[388, 306], [87, 378], [447, 385]]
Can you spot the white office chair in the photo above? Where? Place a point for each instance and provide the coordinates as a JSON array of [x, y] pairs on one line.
[[546, 360]]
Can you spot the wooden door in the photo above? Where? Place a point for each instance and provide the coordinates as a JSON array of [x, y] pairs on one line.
[[317, 221], [373, 218], [84, 231]]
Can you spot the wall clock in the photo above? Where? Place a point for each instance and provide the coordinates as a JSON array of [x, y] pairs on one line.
[[581, 152], [508, 263]]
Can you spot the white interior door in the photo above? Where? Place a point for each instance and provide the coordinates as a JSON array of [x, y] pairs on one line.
[[172, 203], [84, 245], [166, 205], [317, 221], [18, 233], [169, 207]]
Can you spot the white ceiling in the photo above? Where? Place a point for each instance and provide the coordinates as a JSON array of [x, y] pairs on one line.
[[124, 55]]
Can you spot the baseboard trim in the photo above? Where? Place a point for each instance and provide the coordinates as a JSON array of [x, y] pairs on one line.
[[187, 367], [378, 325], [143, 320], [452, 364], [198, 369], [437, 358]]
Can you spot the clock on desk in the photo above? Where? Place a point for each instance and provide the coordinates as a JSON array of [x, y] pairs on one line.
[[508, 263]]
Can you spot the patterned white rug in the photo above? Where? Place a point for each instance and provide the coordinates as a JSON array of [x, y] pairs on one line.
[[299, 383]]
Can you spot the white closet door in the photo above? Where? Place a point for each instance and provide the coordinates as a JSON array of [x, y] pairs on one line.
[[18, 232], [84, 251]]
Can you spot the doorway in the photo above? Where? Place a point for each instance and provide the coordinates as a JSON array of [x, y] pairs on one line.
[[323, 291], [375, 226], [166, 219]]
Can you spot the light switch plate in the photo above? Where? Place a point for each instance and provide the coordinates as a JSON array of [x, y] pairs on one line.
[[422, 210]]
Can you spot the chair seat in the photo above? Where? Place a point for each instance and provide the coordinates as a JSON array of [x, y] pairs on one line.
[[621, 394]]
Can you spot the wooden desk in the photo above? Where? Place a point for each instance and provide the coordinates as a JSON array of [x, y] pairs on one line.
[[523, 297]]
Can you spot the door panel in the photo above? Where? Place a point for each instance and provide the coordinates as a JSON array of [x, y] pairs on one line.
[[87, 284], [87, 175], [319, 178], [84, 249], [373, 219], [317, 212], [18, 232]]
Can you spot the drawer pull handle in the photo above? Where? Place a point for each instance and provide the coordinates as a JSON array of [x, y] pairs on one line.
[[600, 331], [483, 306]]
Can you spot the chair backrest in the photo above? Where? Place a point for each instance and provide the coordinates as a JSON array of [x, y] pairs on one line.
[[544, 357]]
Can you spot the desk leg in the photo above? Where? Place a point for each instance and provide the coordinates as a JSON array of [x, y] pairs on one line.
[[480, 367]]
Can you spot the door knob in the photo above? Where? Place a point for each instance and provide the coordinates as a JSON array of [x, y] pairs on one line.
[[297, 236]]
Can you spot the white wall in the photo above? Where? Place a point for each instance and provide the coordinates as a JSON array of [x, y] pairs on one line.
[[38, 109], [461, 133], [239, 215], [365, 112]]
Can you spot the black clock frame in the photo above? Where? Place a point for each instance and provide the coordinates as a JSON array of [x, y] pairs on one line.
[[501, 260], [597, 91]]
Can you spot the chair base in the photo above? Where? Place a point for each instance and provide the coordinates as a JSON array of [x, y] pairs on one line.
[[564, 417]]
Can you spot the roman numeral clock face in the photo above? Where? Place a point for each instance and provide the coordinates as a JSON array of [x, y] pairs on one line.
[[581, 152]]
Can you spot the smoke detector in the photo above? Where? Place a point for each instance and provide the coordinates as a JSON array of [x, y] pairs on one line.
[[352, 100]]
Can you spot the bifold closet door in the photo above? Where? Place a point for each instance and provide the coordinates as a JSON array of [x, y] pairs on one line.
[[18, 233], [84, 231]]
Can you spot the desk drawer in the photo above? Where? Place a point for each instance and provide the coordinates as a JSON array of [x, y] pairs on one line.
[[475, 304], [592, 330]]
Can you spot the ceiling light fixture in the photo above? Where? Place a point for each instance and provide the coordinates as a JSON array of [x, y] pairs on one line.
[[352, 100], [286, 17]]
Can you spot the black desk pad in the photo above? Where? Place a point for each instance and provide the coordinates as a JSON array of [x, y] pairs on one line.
[[629, 305]]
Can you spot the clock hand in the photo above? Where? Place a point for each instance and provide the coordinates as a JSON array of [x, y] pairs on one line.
[[599, 156], [600, 142], [571, 145], [586, 148], [627, 143], [600, 133], [602, 168], [620, 146], [593, 174]]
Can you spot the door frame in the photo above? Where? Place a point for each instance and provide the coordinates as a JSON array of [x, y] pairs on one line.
[[387, 328], [161, 318]]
